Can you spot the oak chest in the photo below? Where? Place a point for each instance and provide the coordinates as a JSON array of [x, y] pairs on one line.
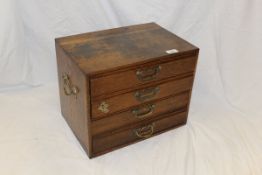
[[123, 85]]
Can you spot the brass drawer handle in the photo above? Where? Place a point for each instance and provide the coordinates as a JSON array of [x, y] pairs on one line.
[[146, 94], [145, 132], [144, 111], [148, 74], [69, 88]]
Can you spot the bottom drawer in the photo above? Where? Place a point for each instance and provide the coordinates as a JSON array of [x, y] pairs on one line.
[[142, 131]]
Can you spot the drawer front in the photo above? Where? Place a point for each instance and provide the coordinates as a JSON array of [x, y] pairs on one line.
[[104, 107], [139, 113], [136, 133], [141, 75]]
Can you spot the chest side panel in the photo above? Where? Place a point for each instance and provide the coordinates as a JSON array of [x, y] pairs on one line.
[[74, 97]]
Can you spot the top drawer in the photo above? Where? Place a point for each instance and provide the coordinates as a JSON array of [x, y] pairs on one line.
[[140, 75]]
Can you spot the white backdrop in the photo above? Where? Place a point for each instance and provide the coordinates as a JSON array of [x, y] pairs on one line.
[[223, 135]]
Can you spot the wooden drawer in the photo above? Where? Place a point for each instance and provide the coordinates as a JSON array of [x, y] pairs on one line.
[[140, 113], [138, 132], [104, 107], [140, 75]]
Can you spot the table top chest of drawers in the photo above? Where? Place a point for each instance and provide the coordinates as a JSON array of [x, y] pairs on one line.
[[123, 85]]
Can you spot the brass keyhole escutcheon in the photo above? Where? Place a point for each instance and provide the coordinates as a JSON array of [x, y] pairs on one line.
[[103, 107]]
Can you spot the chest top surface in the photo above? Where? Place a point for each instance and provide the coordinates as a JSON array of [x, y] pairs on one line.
[[111, 49]]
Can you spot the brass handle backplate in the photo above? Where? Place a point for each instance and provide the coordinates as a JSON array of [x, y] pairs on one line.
[[146, 94], [148, 73], [144, 111], [145, 132], [69, 88]]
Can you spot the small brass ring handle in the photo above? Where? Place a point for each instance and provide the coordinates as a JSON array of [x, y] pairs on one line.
[[148, 74], [146, 94], [145, 132], [69, 89], [144, 111]]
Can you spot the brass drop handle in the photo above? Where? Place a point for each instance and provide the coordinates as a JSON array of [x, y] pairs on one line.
[[148, 73], [145, 132], [69, 88], [146, 94], [144, 111]]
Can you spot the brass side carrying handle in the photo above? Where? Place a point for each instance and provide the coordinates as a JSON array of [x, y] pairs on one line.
[[146, 94], [148, 73], [144, 111], [145, 132], [69, 88]]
